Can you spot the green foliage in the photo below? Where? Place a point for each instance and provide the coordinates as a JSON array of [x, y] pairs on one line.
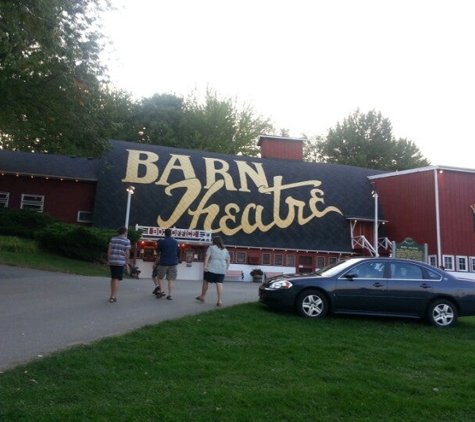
[[213, 124], [246, 363], [51, 77], [133, 235], [29, 255], [70, 240], [18, 245], [220, 125], [78, 242], [366, 140], [22, 223], [83, 243], [158, 120], [311, 151]]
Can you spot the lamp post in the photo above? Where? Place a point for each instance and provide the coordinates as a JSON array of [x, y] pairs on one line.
[[130, 191], [375, 196]]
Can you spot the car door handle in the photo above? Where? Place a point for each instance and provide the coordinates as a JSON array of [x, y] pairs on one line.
[[426, 286], [378, 284]]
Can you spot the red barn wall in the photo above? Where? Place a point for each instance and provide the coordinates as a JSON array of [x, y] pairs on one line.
[[408, 201], [62, 199], [456, 195], [289, 149]]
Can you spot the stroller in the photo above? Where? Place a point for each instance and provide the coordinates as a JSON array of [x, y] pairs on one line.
[[134, 272]]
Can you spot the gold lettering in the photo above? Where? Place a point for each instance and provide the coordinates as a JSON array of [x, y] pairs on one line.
[[314, 201], [177, 162], [193, 188], [257, 175], [230, 212], [211, 211], [208, 214], [262, 226], [135, 160], [212, 172]]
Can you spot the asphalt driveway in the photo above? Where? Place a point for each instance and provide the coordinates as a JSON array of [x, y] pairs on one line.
[[43, 312]]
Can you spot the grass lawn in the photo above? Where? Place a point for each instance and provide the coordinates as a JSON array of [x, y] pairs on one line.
[[249, 363], [24, 253]]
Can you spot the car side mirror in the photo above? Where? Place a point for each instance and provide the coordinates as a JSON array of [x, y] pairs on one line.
[[351, 276]]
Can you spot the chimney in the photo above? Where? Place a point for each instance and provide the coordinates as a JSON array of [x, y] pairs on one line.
[[280, 147]]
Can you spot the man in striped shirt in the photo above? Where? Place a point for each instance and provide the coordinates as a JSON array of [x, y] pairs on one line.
[[118, 258]]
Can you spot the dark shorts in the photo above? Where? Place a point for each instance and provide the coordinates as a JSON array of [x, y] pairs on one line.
[[212, 277], [117, 272], [170, 271]]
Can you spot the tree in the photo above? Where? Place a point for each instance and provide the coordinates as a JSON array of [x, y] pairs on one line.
[[219, 125], [366, 140], [311, 151], [157, 120], [51, 77]]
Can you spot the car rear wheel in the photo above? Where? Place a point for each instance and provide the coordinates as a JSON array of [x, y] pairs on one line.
[[312, 304], [442, 313]]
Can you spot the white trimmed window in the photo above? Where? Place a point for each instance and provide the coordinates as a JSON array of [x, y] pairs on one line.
[[462, 263], [320, 262], [266, 259], [471, 261], [231, 256], [433, 260], [4, 198], [84, 217], [448, 262], [32, 202]]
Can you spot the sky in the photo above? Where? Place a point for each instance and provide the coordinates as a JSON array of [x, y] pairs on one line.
[[308, 64]]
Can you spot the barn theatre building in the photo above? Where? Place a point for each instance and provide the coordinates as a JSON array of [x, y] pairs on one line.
[[276, 212]]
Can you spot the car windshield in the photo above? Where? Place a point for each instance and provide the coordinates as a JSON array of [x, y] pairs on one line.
[[335, 268]]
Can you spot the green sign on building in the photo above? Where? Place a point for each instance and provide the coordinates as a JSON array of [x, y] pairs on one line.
[[410, 250]]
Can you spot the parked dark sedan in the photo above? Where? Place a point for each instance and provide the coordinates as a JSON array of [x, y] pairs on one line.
[[374, 286]]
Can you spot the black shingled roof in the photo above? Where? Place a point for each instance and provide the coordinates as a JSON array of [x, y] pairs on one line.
[[49, 165]]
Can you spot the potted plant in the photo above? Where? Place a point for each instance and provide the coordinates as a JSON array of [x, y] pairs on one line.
[[257, 275]]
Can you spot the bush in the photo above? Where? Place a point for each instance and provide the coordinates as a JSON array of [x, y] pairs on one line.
[[78, 242], [69, 240], [15, 244], [22, 223]]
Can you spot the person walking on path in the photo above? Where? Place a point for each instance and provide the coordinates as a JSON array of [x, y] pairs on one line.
[[158, 290], [167, 261], [216, 265], [118, 258]]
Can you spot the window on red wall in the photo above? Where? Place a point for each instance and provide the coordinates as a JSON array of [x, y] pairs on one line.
[[32, 202], [4, 198], [461, 263], [240, 257], [448, 262], [472, 264]]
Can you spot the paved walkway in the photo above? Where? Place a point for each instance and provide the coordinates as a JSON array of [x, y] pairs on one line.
[[42, 312]]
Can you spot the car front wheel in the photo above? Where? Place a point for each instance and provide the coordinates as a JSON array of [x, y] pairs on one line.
[[442, 313], [312, 304]]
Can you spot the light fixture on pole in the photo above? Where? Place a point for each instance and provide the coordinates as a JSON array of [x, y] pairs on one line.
[[130, 191], [376, 247]]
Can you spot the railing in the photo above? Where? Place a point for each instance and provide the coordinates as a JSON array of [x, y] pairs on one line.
[[360, 242]]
